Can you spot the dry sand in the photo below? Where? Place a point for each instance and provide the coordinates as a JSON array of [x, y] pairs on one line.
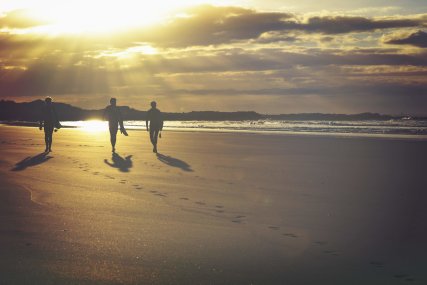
[[211, 209]]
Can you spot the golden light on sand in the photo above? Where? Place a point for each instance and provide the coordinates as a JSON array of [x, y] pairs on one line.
[[96, 16]]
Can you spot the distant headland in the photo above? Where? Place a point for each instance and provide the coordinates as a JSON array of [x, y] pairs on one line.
[[29, 112]]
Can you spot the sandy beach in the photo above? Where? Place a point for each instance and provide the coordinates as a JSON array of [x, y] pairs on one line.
[[211, 208]]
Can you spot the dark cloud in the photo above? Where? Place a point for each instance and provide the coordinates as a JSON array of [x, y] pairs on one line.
[[418, 39], [42, 79], [210, 25], [81, 75], [277, 59], [342, 24]]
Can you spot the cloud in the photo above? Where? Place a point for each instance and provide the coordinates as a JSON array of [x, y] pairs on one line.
[[209, 25], [418, 39], [343, 24], [230, 53], [20, 19], [45, 78], [306, 70]]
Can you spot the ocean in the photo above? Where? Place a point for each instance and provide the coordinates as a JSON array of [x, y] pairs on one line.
[[399, 128]]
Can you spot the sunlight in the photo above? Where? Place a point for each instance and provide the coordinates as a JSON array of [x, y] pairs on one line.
[[98, 16], [94, 126]]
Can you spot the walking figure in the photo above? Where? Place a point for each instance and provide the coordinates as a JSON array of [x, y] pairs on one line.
[[114, 117], [154, 116], [49, 122]]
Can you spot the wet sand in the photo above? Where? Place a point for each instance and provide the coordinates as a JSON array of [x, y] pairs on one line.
[[211, 208]]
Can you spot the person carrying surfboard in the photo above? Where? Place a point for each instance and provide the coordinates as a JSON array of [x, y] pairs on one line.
[[114, 117], [49, 122], [154, 124]]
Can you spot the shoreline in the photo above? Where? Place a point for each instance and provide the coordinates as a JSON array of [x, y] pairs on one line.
[[275, 133]]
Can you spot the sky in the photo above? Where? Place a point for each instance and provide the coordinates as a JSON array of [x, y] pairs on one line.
[[269, 56]]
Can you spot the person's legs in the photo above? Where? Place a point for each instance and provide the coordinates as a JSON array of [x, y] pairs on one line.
[[50, 139], [113, 138], [48, 134], [46, 140], [152, 136], [154, 133]]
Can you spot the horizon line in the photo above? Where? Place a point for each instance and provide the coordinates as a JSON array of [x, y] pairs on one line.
[[402, 114]]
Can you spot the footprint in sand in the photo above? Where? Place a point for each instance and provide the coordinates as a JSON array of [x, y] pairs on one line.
[[95, 173], [200, 203], [238, 219], [331, 252], [184, 198], [273, 228], [290, 235], [404, 277], [219, 209], [377, 264], [401, 276], [157, 193]]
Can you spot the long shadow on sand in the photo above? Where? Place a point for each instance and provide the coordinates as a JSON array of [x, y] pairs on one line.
[[32, 161], [122, 164], [175, 162]]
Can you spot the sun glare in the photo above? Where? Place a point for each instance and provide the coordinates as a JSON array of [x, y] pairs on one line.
[[96, 16], [94, 126]]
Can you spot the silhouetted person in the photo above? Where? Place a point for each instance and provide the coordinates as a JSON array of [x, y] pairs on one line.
[[48, 121], [114, 117], [154, 116]]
